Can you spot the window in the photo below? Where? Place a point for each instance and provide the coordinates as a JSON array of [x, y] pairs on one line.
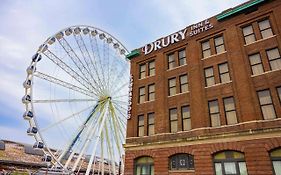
[[181, 162], [182, 58], [214, 113], [140, 125], [275, 157], [224, 73], [151, 68], [171, 61], [186, 120], [219, 44], [183, 83], [209, 75], [230, 163], [256, 64], [142, 71], [172, 86], [266, 104], [249, 34], [141, 94], [279, 93], [150, 122], [206, 49], [151, 92], [230, 111], [144, 166], [173, 120], [274, 58], [265, 28]]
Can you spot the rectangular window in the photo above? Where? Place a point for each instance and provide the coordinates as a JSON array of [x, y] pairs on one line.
[[206, 49], [186, 120], [171, 61], [140, 125], [219, 44], [182, 58], [249, 34], [172, 86], [142, 71], [141, 94], [256, 64], [151, 68], [230, 111], [209, 76], [265, 29], [183, 83], [173, 120], [150, 118], [224, 73], [214, 113], [274, 58], [266, 104], [151, 92], [279, 93]]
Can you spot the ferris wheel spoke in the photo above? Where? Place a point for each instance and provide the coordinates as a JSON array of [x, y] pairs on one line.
[[110, 150], [63, 84], [78, 63], [63, 100], [118, 88], [69, 70], [86, 57], [66, 118]]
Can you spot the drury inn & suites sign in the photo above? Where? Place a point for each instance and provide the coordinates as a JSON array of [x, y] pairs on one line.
[[178, 36]]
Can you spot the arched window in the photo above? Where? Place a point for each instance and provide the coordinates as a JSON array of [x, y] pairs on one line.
[[181, 162], [144, 166], [230, 163], [275, 156]]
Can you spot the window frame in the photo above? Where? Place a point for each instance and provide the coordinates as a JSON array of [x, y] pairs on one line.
[[141, 72], [151, 69], [177, 157], [244, 36], [212, 76], [171, 87], [223, 73], [218, 45], [214, 113], [227, 111], [183, 84], [272, 60], [141, 95], [147, 164], [182, 58], [269, 28], [261, 105], [279, 94], [260, 63], [150, 92], [173, 62], [140, 126], [204, 50], [150, 124], [188, 119], [174, 120]]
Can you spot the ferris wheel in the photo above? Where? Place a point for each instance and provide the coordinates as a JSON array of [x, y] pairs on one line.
[[76, 101]]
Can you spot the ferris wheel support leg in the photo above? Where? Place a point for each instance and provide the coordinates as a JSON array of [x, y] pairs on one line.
[[78, 134], [95, 147]]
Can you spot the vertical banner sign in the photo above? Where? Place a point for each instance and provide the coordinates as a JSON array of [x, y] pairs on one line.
[[130, 97]]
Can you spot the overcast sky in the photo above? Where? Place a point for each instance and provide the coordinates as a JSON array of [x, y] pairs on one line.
[[25, 24]]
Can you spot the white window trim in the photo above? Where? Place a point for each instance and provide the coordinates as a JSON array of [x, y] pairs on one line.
[[218, 84], [214, 55], [179, 94], [259, 40], [176, 67], [267, 72]]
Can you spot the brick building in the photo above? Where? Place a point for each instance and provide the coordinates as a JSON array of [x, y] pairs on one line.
[[206, 99]]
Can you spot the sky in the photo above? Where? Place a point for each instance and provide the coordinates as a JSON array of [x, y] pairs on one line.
[[26, 24]]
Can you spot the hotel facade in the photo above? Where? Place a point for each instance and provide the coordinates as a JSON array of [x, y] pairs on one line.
[[206, 100]]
